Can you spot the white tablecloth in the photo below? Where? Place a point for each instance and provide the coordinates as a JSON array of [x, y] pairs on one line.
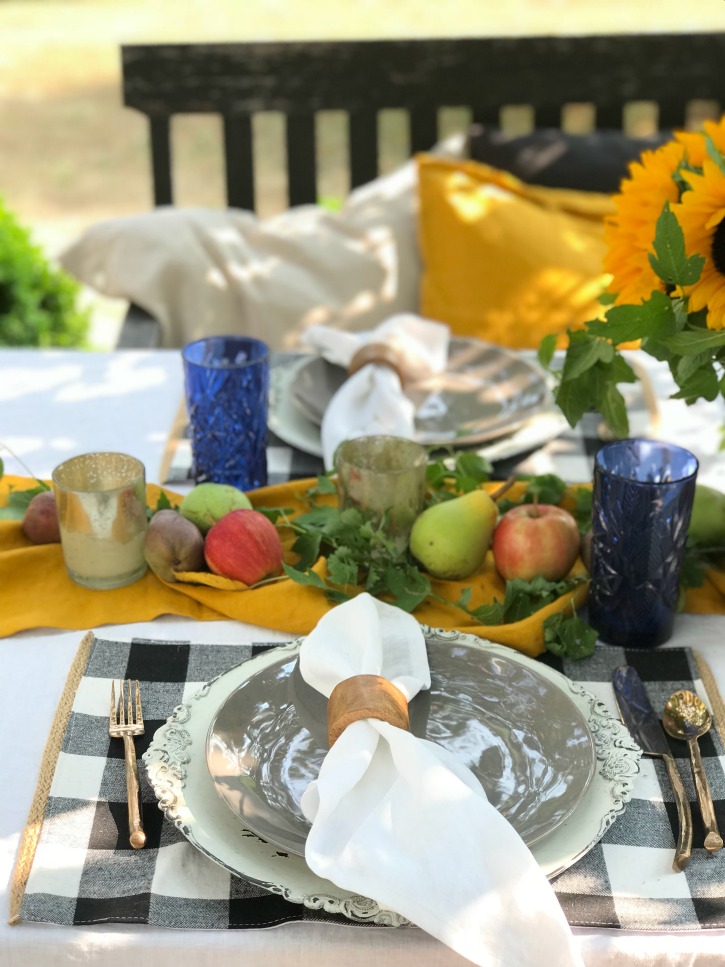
[[55, 405]]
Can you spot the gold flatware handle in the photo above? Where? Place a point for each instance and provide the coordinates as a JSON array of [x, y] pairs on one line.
[[713, 839], [683, 850], [137, 836]]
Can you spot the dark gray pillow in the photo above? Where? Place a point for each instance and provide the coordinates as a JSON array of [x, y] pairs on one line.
[[586, 162]]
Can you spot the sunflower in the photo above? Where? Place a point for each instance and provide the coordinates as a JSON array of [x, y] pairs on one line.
[[701, 215], [629, 232], [695, 145]]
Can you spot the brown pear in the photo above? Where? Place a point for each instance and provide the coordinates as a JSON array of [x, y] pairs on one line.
[[40, 521], [172, 544]]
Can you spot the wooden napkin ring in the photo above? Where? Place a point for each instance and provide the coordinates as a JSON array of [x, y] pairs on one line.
[[378, 353], [365, 697]]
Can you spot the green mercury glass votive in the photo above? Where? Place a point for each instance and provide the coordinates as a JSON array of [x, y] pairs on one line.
[[384, 477]]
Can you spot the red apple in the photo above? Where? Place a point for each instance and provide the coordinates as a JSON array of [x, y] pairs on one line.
[[535, 539], [244, 545]]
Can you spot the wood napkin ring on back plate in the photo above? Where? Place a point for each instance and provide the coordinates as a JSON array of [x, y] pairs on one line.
[[365, 697], [381, 355]]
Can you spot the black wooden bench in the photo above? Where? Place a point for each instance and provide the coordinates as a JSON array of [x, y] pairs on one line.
[[674, 72]]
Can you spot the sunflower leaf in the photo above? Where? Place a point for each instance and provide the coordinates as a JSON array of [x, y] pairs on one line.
[[619, 371], [687, 365], [693, 342], [654, 317], [614, 410], [714, 154], [593, 383], [701, 383], [546, 350], [574, 399], [683, 317], [670, 261], [584, 352]]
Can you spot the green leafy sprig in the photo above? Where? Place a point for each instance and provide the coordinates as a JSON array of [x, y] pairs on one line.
[[521, 599], [458, 473], [593, 366], [359, 555], [18, 500], [566, 635]]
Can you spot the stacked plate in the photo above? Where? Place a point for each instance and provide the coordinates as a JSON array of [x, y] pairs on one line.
[[229, 768], [486, 394]]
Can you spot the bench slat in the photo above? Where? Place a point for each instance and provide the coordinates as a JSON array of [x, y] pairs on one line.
[[301, 159], [239, 162], [363, 148]]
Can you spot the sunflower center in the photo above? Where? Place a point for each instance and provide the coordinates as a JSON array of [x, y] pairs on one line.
[[718, 248]]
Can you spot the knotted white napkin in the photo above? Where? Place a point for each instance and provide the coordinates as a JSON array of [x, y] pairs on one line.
[[402, 821], [372, 400]]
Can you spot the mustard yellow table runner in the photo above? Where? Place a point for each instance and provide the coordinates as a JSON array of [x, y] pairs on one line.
[[37, 592]]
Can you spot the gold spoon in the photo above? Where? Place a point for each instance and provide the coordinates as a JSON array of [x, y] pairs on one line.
[[686, 717]]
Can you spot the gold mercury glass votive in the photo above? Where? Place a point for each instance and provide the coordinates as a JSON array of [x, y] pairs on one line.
[[101, 500]]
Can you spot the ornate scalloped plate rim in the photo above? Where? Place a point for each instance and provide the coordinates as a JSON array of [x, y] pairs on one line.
[[170, 768]]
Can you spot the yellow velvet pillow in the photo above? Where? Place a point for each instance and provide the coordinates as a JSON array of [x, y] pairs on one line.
[[504, 261]]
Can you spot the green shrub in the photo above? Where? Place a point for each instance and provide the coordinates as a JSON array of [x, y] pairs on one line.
[[38, 303]]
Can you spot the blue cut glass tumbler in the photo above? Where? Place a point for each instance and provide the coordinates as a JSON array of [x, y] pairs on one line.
[[641, 506], [227, 391]]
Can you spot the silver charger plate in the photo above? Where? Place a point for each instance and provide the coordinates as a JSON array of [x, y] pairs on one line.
[[485, 392], [176, 766], [525, 740], [288, 422]]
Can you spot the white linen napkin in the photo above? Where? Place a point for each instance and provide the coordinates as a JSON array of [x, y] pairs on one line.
[[402, 821], [372, 400]]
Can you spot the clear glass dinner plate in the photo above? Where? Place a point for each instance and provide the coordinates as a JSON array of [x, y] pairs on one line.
[[525, 740], [485, 392], [176, 766]]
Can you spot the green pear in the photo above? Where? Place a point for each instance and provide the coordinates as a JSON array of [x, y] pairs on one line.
[[707, 523], [209, 502], [450, 539]]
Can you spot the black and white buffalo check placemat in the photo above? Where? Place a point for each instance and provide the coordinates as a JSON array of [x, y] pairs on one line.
[[570, 454], [83, 871]]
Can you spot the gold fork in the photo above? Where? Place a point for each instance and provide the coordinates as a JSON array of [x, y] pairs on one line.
[[125, 723]]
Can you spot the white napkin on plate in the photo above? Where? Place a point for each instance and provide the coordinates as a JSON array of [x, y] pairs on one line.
[[372, 400], [402, 821]]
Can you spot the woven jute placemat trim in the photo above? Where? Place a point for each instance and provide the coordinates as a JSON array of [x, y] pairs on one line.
[[716, 702], [34, 824]]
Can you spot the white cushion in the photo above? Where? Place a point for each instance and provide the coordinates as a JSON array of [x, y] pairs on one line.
[[205, 272]]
